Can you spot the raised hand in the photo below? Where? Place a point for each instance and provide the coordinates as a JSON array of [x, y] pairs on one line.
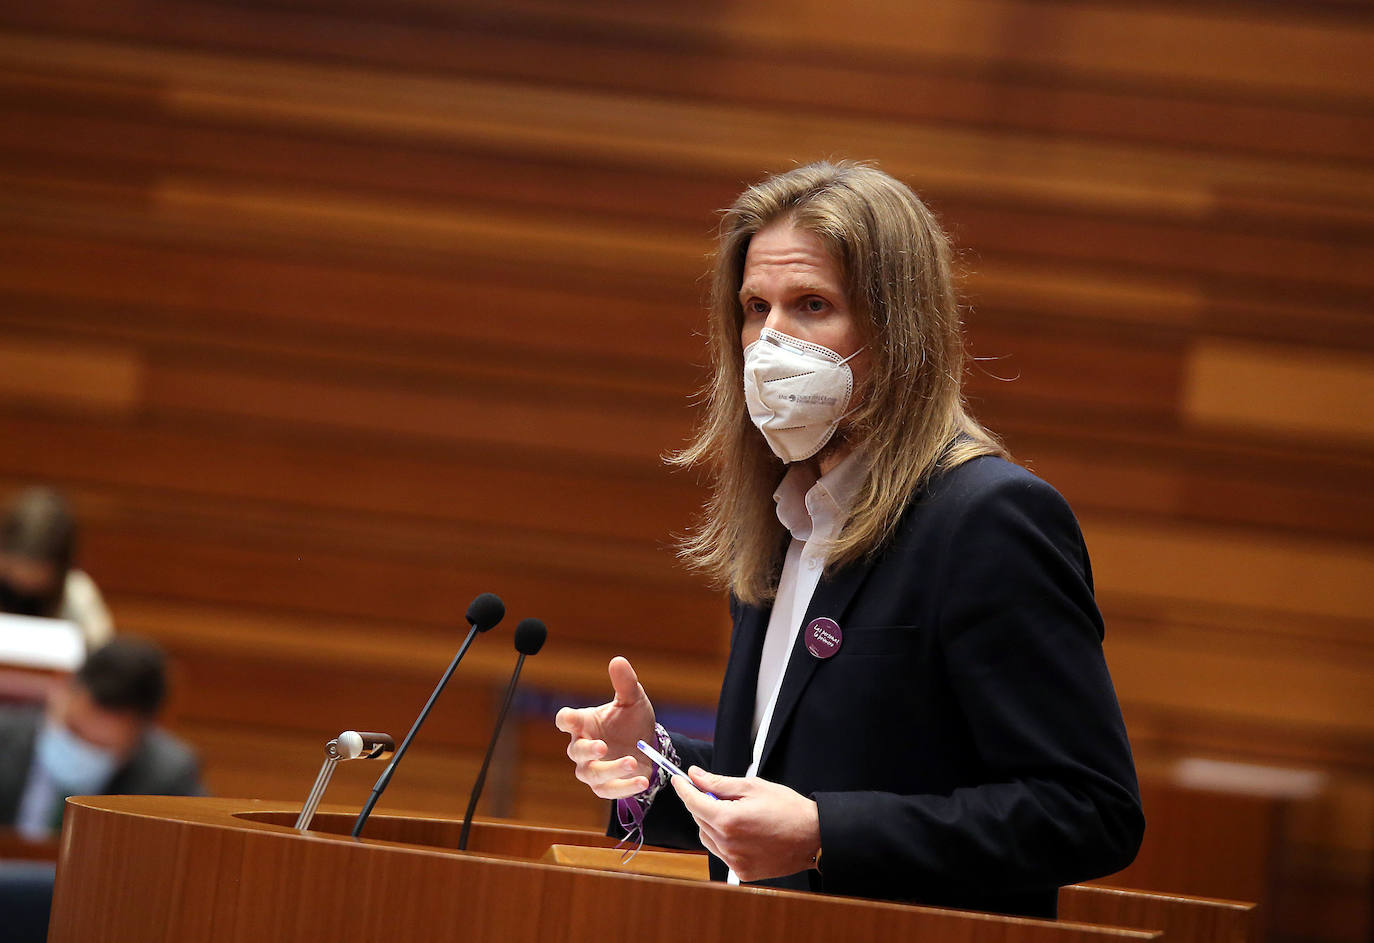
[[602, 739]]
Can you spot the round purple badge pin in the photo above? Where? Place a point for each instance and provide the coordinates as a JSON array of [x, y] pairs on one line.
[[823, 637]]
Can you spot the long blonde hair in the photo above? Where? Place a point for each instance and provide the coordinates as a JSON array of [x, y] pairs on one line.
[[895, 259]]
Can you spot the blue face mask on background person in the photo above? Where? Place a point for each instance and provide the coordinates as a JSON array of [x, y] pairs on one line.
[[78, 767]]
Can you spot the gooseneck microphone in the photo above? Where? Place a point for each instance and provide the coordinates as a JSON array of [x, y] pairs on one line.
[[483, 613], [349, 745], [529, 638]]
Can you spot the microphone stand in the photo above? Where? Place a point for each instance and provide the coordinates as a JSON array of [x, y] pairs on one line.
[[385, 778], [486, 760], [349, 745]]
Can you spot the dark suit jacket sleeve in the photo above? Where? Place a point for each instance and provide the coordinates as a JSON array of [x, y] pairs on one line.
[[1020, 635], [18, 730], [161, 766]]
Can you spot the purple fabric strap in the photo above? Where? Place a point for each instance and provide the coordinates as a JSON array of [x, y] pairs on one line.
[[631, 810]]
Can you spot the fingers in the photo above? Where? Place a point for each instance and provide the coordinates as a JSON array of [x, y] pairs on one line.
[[624, 681], [582, 750], [698, 803], [609, 779], [722, 787], [704, 809], [594, 732], [713, 817], [621, 788], [571, 720], [708, 841], [760, 829]]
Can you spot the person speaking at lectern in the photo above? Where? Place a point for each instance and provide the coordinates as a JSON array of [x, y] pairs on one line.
[[915, 705]]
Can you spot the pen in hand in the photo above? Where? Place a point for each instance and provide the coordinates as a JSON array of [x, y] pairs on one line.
[[668, 766]]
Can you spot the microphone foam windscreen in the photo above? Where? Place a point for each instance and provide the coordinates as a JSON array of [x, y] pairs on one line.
[[485, 611], [529, 636]]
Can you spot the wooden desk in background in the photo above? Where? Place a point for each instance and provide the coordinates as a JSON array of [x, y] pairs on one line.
[[14, 847]]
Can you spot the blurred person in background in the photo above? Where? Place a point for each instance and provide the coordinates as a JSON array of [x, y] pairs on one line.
[[97, 736], [37, 575]]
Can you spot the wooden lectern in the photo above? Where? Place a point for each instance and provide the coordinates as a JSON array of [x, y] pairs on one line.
[[141, 868]]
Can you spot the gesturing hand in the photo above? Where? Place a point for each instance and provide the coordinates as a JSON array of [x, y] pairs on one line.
[[602, 739]]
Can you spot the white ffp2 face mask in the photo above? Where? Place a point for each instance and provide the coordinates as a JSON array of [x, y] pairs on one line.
[[797, 392]]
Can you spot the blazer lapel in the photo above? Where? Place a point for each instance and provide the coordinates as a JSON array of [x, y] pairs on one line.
[[832, 598], [733, 745]]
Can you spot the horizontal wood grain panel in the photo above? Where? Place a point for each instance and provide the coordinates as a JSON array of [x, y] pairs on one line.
[[1031, 363], [398, 647], [436, 294], [1304, 393], [131, 263], [283, 765], [100, 143], [477, 417], [907, 88], [46, 90], [1233, 681], [105, 379], [232, 345], [1231, 567], [1259, 248], [1281, 55], [1161, 738], [622, 128], [417, 227], [682, 619], [942, 161], [1080, 449], [1105, 459], [1008, 287], [1141, 44], [1216, 845], [550, 314], [453, 485], [346, 231], [186, 168], [1260, 242], [267, 694], [1218, 665]]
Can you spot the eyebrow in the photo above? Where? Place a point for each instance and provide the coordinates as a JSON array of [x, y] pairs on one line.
[[804, 288]]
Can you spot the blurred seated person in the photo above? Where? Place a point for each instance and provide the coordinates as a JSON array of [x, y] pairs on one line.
[[37, 578], [98, 736]]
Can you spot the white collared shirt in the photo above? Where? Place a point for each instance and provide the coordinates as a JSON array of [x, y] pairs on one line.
[[813, 510]]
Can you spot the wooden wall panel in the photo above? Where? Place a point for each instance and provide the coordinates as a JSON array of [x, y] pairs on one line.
[[104, 380], [1299, 393], [331, 313]]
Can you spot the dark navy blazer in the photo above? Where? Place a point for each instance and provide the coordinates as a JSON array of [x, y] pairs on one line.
[[964, 746]]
